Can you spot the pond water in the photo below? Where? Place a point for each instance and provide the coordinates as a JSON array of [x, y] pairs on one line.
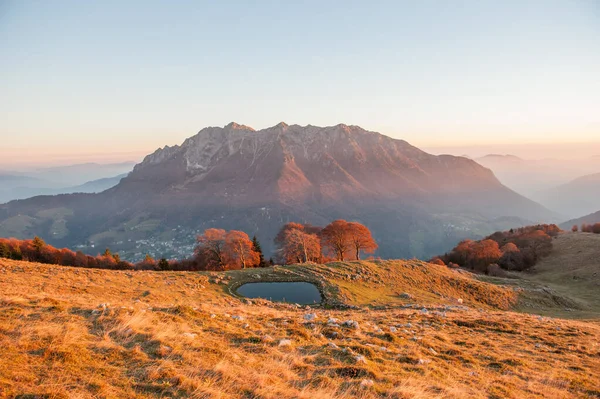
[[297, 292]]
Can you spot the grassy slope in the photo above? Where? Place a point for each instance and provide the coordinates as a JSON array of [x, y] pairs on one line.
[[58, 342], [566, 283]]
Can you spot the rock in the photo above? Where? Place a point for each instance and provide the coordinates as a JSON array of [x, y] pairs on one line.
[[393, 329], [285, 342], [351, 324], [256, 276], [310, 316], [332, 345], [189, 335], [237, 317], [459, 300], [248, 302], [212, 316], [424, 311], [266, 338], [366, 383], [433, 352], [406, 295], [360, 359], [332, 321], [246, 325]]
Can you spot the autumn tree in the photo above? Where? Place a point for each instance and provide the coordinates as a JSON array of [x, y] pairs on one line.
[[360, 239], [575, 228], [335, 237], [512, 258], [239, 251], [297, 243], [211, 249], [5, 251]]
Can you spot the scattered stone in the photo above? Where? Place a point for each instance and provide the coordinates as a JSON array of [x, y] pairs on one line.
[[310, 316], [237, 317], [212, 316], [351, 324], [267, 338], [433, 352], [424, 311], [360, 359], [246, 325], [406, 295], [459, 300], [189, 335], [393, 329], [332, 321], [285, 342], [366, 383], [332, 345]]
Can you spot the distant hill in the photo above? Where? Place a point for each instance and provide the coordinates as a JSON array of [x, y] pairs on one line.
[[580, 196], [22, 192], [530, 176], [588, 219], [416, 204]]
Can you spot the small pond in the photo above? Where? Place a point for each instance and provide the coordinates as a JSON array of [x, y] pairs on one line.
[[297, 292]]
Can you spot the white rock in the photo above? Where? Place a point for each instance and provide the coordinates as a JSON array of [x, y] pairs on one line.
[[310, 316], [459, 300], [285, 342], [189, 335], [366, 383], [360, 359], [351, 324], [267, 338], [237, 317], [332, 321], [332, 345], [393, 329]]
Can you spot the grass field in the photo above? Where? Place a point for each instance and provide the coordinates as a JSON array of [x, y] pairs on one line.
[[81, 333]]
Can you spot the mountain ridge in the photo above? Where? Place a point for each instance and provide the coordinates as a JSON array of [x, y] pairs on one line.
[[236, 177]]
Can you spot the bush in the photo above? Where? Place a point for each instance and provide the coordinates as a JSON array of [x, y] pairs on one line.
[[495, 270]]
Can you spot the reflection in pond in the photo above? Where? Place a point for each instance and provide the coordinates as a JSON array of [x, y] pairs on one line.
[[298, 292]]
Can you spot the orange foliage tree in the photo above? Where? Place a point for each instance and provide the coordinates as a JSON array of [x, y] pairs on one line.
[[240, 251], [210, 250], [361, 239], [298, 243]]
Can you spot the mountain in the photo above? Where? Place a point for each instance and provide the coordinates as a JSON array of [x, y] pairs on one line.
[[592, 218], [72, 175], [579, 196], [86, 178], [530, 176], [234, 177]]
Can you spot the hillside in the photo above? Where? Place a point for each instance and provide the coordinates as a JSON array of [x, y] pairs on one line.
[[575, 198], [69, 332], [416, 204], [587, 219], [532, 177]]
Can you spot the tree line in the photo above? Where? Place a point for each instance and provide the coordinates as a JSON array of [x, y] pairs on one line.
[[587, 228], [516, 250], [218, 249]]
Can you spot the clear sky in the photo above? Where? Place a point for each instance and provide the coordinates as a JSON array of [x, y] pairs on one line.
[[80, 79]]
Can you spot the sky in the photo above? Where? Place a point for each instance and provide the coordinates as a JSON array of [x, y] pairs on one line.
[[114, 80]]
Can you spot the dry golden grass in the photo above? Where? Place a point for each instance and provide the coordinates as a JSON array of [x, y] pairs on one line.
[[171, 335]]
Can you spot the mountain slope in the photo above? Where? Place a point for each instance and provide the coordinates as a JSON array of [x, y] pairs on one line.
[[592, 218], [575, 198], [237, 178]]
